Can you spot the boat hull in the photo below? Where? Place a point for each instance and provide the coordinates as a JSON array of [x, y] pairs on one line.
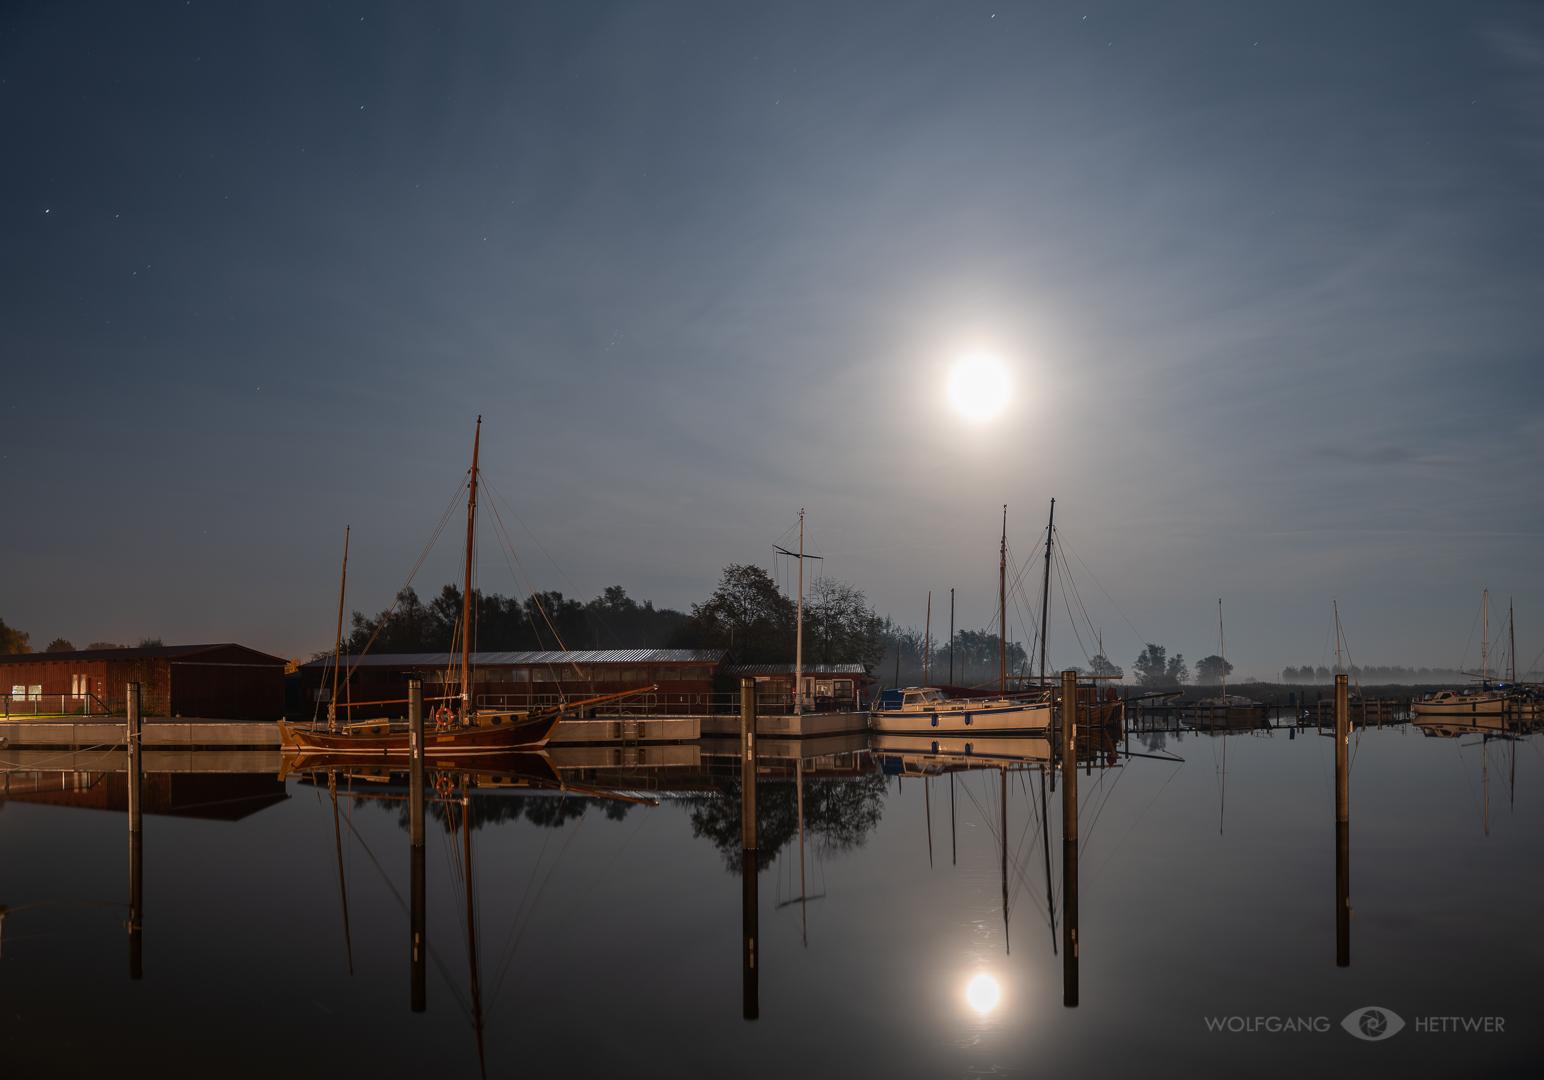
[[957, 717], [1460, 707], [453, 741]]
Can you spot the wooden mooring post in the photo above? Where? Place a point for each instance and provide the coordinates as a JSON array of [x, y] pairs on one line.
[[417, 977], [749, 916], [1342, 824], [132, 733], [1069, 756]]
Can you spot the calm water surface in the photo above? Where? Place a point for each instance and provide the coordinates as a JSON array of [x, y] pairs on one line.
[[608, 935]]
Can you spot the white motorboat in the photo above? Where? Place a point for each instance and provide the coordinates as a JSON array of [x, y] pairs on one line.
[[925, 710]]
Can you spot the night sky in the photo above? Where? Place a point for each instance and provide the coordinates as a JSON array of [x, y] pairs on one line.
[[1266, 279]]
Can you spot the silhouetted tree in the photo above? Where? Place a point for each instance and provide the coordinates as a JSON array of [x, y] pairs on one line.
[[1152, 666], [1101, 665], [1155, 667], [838, 816], [13, 640], [748, 615], [59, 644], [150, 643], [839, 626], [1212, 669]]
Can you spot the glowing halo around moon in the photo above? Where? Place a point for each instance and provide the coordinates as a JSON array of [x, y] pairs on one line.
[[983, 994], [978, 386]]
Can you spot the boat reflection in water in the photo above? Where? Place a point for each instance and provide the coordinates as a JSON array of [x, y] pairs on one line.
[[1487, 733], [453, 782], [1082, 733]]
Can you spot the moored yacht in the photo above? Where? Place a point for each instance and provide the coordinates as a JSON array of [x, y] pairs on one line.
[[1484, 702], [924, 710]]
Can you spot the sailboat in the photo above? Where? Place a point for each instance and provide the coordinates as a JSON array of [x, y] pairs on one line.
[[1226, 706], [466, 730], [1475, 701], [926, 710]]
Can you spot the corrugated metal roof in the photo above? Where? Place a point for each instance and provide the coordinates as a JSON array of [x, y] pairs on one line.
[[535, 659], [787, 669], [126, 654]]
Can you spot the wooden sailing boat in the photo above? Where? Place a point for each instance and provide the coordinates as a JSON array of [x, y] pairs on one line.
[[468, 730]]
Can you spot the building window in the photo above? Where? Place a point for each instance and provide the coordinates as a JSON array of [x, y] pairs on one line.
[[667, 674], [699, 673]]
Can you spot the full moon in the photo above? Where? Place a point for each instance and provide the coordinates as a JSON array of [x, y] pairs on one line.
[[982, 993], [978, 386]]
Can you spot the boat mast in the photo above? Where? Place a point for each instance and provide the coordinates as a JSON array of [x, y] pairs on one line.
[[951, 637], [466, 596], [1222, 642], [1511, 629], [1045, 590], [798, 643], [1485, 642], [337, 655], [471, 921], [927, 637], [1002, 609]]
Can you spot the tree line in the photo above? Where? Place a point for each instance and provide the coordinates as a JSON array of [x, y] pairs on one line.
[[747, 614]]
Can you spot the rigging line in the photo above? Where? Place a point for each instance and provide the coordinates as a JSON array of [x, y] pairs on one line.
[[1465, 766], [1073, 587], [1468, 644], [497, 497], [1020, 857], [643, 820], [1070, 617], [540, 855], [508, 506], [397, 599], [534, 599], [1016, 579], [30, 766], [988, 816], [1351, 665], [509, 958], [1110, 790], [593, 612], [1063, 543], [1135, 823], [440, 963]]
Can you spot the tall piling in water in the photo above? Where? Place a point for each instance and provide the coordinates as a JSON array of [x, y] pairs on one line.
[[132, 732], [749, 915], [417, 979], [1342, 824], [1069, 759]]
